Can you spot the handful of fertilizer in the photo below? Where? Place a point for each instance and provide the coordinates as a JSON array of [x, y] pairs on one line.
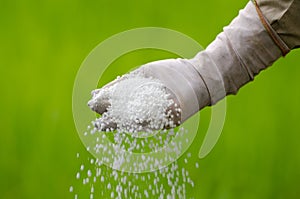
[[134, 103]]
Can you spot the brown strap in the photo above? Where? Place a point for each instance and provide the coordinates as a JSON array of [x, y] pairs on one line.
[[283, 47]]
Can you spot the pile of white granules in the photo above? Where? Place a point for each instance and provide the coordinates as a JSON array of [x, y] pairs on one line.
[[136, 104]]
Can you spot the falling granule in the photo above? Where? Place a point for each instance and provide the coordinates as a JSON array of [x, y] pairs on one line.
[[78, 175], [137, 104], [89, 173], [82, 167]]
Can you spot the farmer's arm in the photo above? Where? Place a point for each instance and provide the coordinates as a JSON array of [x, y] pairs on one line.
[[254, 40]]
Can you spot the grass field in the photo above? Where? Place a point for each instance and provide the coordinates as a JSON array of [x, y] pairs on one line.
[[43, 44]]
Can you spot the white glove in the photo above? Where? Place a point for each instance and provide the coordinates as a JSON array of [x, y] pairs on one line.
[[182, 82], [239, 53]]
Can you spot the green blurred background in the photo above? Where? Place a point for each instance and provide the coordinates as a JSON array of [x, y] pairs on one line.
[[43, 44]]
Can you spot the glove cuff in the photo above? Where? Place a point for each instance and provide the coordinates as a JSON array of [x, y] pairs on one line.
[[283, 16], [277, 40]]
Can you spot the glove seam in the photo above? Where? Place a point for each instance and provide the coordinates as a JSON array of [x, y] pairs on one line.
[[206, 86]]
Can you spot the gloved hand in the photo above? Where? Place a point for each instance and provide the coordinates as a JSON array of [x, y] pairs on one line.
[[183, 85], [239, 53]]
